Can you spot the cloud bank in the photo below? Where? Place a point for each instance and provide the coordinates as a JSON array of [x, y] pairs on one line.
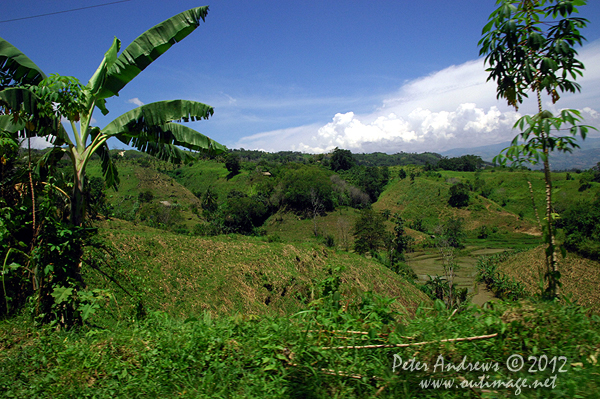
[[452, 108]]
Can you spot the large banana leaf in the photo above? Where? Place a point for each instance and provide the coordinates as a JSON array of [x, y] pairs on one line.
[[150, 123], [8, 124], [20, 99], [148, 47], [171, 134], [158, 113], [97, 80], [16, 68], [109, 170], [162, 151]]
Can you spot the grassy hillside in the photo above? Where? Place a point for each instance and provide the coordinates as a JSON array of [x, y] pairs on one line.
[[580, 277], [185, 276], [508, 205], [427, 198], [139, 178]]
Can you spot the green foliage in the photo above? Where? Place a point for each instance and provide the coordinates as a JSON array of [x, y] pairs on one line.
[[402, 174], [145, 196], [401, 242], [369, 232], [500, 284], [370, 179], [232, 164], [440, 289], [531, 46], [242, 214], [210, 201], [341, 345], [418, 225], [581, 225], [341, 160], [401, 159], [452, 232], [595, 172], [296, 186], [465, 163], [160, 215], [149, 128], [483, 232], [459, 195]]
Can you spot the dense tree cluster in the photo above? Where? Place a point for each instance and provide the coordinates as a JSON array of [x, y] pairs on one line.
[[581, 225], [341, 160], [459, 195], [465, 163], [369, 232], [399, 159]]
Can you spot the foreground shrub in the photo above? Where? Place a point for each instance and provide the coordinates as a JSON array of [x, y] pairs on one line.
[[340, 346]]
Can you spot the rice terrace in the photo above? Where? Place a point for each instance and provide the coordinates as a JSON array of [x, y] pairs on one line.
[[365, 210]]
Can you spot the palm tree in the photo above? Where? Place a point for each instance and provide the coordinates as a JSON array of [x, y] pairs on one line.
[[33, 105]]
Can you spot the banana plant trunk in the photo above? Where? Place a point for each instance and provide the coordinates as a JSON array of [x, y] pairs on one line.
[[78, 204]]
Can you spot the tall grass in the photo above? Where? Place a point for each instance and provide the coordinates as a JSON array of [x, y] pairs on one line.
[[337, 348]]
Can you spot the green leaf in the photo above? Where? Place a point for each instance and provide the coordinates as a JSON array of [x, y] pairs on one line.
[[148, 47], [62, 294], [98, 79], [87, 310], [8, 124], [20, 99], [147, 129], [16, 68], [159, 113], [109, 170], [27, 104]]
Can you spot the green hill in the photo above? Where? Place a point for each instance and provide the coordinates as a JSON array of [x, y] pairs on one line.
[[232, 274]]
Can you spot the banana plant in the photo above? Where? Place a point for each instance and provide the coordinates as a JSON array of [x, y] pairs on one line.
[[34, 104]]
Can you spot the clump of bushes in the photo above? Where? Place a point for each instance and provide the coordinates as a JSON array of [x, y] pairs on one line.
[[500, 284]]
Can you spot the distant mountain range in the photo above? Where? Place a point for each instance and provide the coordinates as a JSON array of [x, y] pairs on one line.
[[584, 158]]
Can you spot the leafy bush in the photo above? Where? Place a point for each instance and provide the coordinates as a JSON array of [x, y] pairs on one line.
[[459, 195], [581, 224], [452, 232], [241, 213], [341, 160], [500, 284], [369, 232], [232, 163], [160, 215], [145, 196]]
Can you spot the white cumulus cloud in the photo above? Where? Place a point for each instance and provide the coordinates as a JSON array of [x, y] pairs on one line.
[[452, 108], [135, 101]]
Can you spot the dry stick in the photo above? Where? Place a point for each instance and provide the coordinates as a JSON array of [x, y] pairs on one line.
[[353, 332], [414, 344], [360, 377], [339, 373], [453, 313]]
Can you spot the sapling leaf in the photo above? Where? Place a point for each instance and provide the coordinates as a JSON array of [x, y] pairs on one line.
[[62, 294]]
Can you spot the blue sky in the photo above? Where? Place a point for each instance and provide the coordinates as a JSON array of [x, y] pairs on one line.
[[308, 76]]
